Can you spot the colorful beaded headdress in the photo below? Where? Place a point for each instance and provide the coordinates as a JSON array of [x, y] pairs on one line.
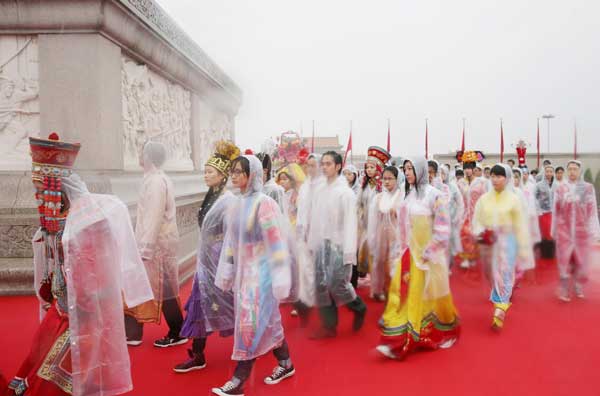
[[378, 156], [469, 157], [225, 153], [51, 160]]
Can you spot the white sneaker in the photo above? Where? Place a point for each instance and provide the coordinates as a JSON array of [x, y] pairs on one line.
[[134, 342], [465, 264], [386, 351]]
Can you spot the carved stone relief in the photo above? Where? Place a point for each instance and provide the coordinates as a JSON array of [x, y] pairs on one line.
[[155, 109], [19, 104], [220, 127], [15, 240]]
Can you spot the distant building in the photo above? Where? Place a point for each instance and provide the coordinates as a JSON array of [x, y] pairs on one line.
[[324, 143]]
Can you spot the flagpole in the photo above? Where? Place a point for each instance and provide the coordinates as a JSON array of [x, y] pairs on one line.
[[388, 137]]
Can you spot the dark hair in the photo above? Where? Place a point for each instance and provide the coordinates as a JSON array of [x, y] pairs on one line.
[[517, 170], [392, 169], [244, 163], [266, 163], [469, 165], [406, 183], [511, 160], [559, 168], [434, 165], [337, 159], [459, 172], [498, 170], [547, 162], [534, 171]]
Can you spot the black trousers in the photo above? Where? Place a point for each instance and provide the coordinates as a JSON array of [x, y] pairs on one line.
[[329, 313], [244, 367], [172, 313]]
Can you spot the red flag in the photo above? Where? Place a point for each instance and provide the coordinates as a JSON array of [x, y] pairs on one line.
[[388, 141], [312, 143], [501, 142], [538, 143], [575, 145], [348, 148], [426, 140], [462, 144]]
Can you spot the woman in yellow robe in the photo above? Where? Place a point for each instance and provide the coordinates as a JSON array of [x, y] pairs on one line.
[[420, 312], [501, 229]]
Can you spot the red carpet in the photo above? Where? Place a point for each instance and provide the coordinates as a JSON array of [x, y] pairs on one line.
[[547, 348]]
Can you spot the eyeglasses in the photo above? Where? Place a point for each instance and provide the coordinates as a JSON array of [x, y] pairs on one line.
[[237, 172]]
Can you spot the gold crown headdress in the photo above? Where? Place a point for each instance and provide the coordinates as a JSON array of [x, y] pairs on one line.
[[225, 152]]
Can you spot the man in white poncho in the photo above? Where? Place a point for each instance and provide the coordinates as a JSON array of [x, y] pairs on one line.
[[332, 239], [157, 238]]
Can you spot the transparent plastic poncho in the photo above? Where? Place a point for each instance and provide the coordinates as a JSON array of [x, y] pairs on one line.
[[504, 214], [383, 236], [575, 226], [103, 269], [425, 231], [256, 264]]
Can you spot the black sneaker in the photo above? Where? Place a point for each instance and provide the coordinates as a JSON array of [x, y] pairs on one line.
[[229, 389], [279, 374], [196, 362], [167, 341], [359, 319]]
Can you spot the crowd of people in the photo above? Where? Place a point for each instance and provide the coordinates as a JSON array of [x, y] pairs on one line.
[[303, 234]]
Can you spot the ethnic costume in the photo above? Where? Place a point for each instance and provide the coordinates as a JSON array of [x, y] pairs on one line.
[[85, 262], [332, 236], [255, 263], [575, 229], [500, 226], [472, 190], [383, 237], [371, 186], [157, 237], [456, 210], [526, 195], [420, 312], [210, 309], [544, 199]]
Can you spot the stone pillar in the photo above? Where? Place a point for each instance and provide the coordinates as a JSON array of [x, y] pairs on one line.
[[80, 96], [109, 74]]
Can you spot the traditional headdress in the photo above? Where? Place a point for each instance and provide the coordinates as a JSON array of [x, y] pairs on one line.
[[289, 150], [378, 156], [225, 153], [469, 158], [51, 160]]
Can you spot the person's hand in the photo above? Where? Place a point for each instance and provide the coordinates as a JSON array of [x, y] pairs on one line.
[[487, 237]]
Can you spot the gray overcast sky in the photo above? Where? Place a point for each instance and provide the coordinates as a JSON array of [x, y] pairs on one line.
[[335, 61]]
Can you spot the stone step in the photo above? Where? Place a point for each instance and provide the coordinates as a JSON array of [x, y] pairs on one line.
[[16, 276]]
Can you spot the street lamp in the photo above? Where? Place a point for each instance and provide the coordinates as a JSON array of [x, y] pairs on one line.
[[548, 117]]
